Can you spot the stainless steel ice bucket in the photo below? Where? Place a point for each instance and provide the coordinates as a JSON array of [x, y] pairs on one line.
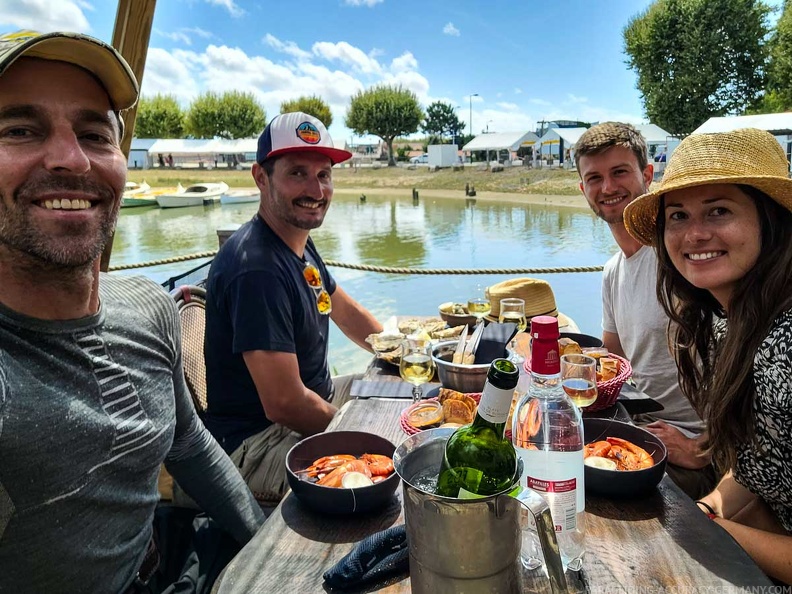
[[466, 545]]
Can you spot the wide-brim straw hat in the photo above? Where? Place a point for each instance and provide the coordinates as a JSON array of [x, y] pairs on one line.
[[537, 294], [747, 156]]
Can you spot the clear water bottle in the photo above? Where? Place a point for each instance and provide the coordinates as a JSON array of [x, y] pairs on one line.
[[547, 432]]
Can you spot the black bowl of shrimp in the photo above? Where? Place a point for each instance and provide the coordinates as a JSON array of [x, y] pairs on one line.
[[342, 472], [621, 460]]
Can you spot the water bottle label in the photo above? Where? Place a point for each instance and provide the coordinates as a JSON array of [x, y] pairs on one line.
[[558, 477], [495, 404]]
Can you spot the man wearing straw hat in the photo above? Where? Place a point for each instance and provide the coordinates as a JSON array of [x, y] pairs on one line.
[[92, 391], [614, 170]]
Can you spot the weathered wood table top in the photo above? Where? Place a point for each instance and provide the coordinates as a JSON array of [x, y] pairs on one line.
[[659, 543]]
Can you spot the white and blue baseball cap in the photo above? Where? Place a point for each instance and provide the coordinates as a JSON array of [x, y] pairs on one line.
[[297, 132]]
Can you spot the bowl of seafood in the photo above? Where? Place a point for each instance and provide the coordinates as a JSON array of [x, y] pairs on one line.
[[620, 459], [342, 472], [455, 314], [461, 377]]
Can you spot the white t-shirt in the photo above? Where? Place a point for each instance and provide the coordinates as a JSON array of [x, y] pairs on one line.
[[630, 309]]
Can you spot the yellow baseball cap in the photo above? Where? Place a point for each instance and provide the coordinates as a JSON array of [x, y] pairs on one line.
[[98, 58]]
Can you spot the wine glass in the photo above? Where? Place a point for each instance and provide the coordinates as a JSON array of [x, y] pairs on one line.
[[479, 304], [579, 378], [513, 310], [416, 365]]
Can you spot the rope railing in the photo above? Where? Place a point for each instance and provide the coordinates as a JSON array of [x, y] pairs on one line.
[[381, 269]]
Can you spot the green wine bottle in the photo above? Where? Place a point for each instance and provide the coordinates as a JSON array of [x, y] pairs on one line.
[[478, 459]]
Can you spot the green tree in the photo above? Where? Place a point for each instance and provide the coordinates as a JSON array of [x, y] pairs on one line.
[[159, 117], [441, 120], [385, 111], [779, 72], [312, 105], [231, 115], [698, 58]]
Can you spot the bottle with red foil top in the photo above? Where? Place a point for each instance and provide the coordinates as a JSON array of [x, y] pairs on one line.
[[547, 433]]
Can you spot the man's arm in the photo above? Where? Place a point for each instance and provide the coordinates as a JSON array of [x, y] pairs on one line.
[[204, 471], [285, 398], [354, 320], [611, 342]]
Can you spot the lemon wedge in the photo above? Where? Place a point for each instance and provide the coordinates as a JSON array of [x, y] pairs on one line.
[[353, 480], [600, 462]]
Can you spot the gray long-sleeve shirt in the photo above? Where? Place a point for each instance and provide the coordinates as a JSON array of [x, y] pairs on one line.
[[89, 409]]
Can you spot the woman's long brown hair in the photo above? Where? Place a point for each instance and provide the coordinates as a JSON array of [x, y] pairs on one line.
[[717, 375]]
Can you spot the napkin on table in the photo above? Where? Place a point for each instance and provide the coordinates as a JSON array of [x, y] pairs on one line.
[[382, 555], [494, 340]]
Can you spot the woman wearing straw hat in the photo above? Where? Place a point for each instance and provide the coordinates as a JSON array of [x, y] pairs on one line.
[[721, 222]]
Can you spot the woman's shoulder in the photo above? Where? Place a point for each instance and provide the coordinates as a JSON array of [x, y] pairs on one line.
[[781, 329]]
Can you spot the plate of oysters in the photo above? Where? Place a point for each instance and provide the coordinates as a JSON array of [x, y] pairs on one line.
[[387, 344]]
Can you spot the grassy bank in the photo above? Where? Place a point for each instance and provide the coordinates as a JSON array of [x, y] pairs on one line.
[[519, 180]]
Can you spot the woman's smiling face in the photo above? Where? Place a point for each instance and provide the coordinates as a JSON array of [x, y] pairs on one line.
[[713, 236]]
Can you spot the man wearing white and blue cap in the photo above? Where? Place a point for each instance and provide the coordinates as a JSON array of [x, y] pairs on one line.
[[92, 392], [269, 301]]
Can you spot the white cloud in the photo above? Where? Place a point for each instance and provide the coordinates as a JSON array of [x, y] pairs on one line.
[[45, 15], [575, 99], [199, 32], [286, 47], [518, 91], [178, 36], [333, 71], [449, 29], [404, 63], [348, 55], [508, 106], [368, 3], [232, 7], [541, 102], [169, 75]]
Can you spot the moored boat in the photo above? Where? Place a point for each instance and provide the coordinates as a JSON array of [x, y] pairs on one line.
[[194, 195], [136, 194], [240, 196]]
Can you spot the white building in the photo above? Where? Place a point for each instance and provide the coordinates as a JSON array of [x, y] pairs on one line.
[[778, 124], [504, 145]]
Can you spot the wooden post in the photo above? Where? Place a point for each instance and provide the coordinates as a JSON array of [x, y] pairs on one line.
[[131, 38]]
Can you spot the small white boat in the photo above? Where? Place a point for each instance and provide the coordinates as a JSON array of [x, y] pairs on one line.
[[194, 195], [240, 196], [136, 194], [132, 188]]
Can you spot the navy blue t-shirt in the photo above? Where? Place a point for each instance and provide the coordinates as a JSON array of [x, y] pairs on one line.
[[258, 299]]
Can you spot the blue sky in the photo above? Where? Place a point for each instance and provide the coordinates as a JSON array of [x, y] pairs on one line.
[[527, 60]]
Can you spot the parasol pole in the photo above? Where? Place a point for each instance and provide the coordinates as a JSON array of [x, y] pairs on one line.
[[131, 38]]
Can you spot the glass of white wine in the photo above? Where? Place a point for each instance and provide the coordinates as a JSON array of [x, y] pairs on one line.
[[479, 305], [513, 310], [416, 365], [579, 379]]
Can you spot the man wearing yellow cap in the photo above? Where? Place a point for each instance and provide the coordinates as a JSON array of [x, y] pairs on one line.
[[614, 170], [92, 392]]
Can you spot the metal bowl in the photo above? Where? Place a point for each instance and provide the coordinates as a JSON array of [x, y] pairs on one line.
[[456, 376], [623, 483], [331, 500]]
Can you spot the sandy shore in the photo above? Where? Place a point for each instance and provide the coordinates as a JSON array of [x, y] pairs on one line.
[[536, 199]]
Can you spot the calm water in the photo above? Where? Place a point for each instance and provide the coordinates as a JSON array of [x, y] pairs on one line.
[[391, 231]]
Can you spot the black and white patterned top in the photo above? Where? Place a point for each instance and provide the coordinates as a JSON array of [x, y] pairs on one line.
[[765, 466]]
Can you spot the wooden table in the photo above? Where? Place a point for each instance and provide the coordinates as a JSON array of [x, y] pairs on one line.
[[661, 541]]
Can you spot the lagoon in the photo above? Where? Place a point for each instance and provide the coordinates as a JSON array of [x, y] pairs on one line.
[[391, 230]]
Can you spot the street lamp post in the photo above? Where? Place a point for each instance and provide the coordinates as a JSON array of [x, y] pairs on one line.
[[471, 111]]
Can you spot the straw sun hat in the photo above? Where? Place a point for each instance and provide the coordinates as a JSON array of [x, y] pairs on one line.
[[747, 156], [537, 294]]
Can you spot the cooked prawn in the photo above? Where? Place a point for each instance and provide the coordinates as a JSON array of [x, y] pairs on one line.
[[378, 464], [325, 464], [334, 478]]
